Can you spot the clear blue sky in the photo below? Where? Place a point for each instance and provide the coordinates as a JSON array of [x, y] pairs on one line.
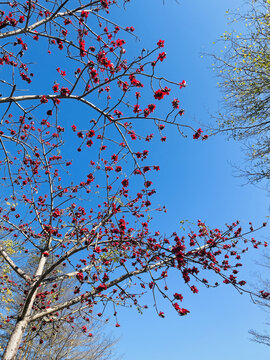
[[196, 181]]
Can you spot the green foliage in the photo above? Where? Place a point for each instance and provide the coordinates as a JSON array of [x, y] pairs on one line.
[[12, 249], [244, 78]]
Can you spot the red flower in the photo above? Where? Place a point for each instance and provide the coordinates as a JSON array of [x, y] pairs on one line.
[[125, 182], [264, 294], [118, 113], [148, 183], [183, 84], [178, 296], [82, 48], [175, 103], [181, 112], [80, 276], [136, 109], [159, 95], [67, 21], [197, 134], [84, 14], [80, 134], [166, 90], [104, 3], [160, 43], [131, 28], [181, 311], [242, 283], [146, 112], [101, 287], [162, 56], [120, 42], [151, 107], [91, 133], [64, 91], [55, 88], [146, 168], [114, 158], [43, 99], [122, 224], [194, 289]]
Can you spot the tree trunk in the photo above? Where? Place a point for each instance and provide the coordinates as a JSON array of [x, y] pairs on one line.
[[15, 340], [18, 332]]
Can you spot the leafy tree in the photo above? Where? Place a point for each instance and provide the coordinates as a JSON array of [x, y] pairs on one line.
[[78, 184], [244, 74], [244, 79], [263, 303]]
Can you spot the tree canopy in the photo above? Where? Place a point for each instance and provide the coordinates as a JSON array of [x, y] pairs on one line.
[[244, 80]]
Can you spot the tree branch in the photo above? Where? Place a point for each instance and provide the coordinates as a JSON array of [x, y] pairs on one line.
[[15, 267]]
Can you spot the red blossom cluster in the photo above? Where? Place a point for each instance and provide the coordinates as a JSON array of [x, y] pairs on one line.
[[159, 94]]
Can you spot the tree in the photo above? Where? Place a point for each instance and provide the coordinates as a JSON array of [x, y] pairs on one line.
[[244, 79], [263, 302], [59, 340], [78, 194], [66, 341]]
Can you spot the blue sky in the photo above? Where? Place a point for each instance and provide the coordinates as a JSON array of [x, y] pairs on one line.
[[196, 181]]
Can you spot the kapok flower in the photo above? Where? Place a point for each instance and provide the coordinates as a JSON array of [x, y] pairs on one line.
[[136, 109], [159, 95], [80, 276], [43, 99], [160, 43], [183, 84], [178, 296], [197, 134], [194, 289], [175, 103], [162, 56], [125, 182]]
